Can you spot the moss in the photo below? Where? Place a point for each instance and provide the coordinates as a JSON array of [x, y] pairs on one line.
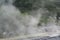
[[24, 14]]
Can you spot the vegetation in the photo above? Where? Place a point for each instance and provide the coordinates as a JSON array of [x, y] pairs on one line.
[[26, 5], [29, 5]]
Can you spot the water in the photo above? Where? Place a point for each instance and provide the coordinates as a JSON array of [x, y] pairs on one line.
[[13, 23]]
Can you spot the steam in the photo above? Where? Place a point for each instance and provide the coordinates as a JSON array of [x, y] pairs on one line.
[[9, 24], [13, 23]]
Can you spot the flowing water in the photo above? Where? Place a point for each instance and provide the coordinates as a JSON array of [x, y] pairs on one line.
[[13, 23]]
